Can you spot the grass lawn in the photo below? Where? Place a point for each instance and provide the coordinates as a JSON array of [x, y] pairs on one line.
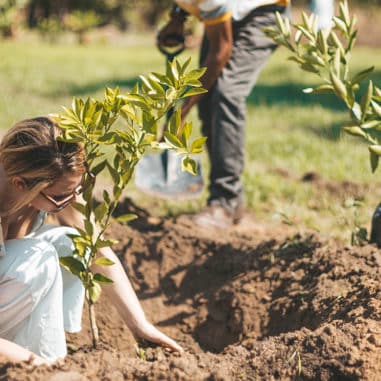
[[289, 133]]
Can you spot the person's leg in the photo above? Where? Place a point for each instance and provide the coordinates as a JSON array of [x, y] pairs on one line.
[[31, 298], [204, 106], [224, 111], [73, 290]]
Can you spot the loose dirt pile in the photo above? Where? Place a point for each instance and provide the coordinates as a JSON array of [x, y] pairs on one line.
[[255, 303]]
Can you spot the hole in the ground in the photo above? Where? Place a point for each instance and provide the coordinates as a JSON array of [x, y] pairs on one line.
[[261, 291], [223, 291]]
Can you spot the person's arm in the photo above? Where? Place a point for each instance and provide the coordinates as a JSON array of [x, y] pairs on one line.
[[120, 292], [16, 353], [174, 27], [123, 297], [220, 44]]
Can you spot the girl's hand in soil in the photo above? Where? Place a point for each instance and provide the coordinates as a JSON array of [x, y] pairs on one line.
[[123, 297], [14, 352], [149, 332], [37, 360]]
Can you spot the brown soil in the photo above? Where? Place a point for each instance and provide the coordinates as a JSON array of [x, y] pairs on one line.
[[256, 303]]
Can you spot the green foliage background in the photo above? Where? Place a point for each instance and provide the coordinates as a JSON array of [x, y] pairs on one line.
[[122, 13]]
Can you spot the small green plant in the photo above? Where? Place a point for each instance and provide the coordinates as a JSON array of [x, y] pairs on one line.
[[93, 123], [327, 54], [140, 352], [285, 218], [80, 22], [359, 233], [295, 357]]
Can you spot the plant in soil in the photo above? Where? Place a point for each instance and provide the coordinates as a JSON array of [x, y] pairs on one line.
[[127, 125], [327, 53]]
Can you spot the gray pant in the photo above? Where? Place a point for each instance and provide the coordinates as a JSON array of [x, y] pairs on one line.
[[223, 110]]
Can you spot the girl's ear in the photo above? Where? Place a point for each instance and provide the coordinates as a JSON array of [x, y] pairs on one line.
[[19, 183]]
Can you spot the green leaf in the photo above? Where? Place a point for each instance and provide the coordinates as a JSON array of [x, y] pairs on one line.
[[340, 24], [100, 278], [366, 98], [94, 292], [114, 174], [79, 207], [100, 211], [198, 144], [72, 265], [186, 131], [126, 218], [89, 227], [374, 159], [194, 91], [103, 261], [156, 85], [336, 41], [194, 74], [355, 131], [344, 12], [99, 168], [173, 140], [161, 78], [106, 197], [189, 165], [377, 108], [174, 121], [339, 87], [321, 42], [376, 149], [362, 75], [105, 243], [185, 66], [109, 138], [310, 68], [356, 112], [322, 89], [371, 124], [337, 62], [280, 22]]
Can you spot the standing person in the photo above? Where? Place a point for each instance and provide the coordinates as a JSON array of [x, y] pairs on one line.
[[234, 50], [40, 174]]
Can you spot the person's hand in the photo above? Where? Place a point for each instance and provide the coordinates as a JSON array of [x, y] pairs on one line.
[[38, 360], [148, 332], [169, 35]]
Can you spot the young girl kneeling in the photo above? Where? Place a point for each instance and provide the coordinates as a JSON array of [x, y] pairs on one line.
[[39, 300]]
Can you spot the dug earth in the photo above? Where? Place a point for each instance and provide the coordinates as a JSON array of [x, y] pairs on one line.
[[257, 303]]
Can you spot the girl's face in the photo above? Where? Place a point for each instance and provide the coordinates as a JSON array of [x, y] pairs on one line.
[[60, 194]]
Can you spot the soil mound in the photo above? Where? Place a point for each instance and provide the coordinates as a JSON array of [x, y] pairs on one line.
[[248, 304]]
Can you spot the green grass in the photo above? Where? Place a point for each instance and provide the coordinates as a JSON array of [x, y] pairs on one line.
[[289, 133]]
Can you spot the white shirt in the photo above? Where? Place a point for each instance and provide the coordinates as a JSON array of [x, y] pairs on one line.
[[214, 11]]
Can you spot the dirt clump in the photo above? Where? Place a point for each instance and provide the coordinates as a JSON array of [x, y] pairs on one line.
[[247, 304]]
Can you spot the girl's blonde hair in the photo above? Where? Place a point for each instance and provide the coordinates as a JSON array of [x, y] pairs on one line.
[[32, 151]]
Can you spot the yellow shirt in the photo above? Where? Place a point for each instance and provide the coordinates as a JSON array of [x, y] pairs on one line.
[[215, 11]]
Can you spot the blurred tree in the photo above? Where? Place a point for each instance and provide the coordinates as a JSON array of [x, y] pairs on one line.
[[80, 22], [124, 14], [9, 12], [117, 12]]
